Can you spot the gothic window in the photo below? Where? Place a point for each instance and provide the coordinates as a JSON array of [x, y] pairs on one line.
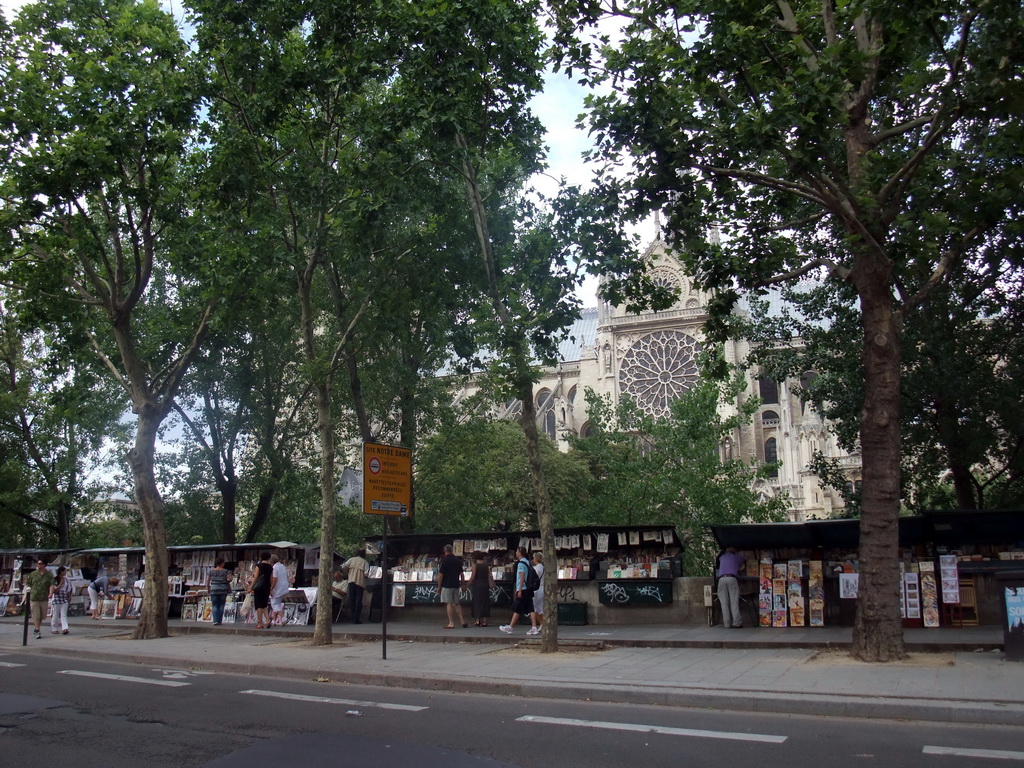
[[549, 423], [542, 397], [513, 408], [770, 419], [572, 395], [768, 390], [658, 368], [771, 455], [586, 430]]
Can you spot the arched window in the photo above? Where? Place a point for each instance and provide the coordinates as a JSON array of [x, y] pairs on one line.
[[572, 395], [771, 455], [542, 398], [549, 423], [586, 430], [770, 419], [768, 389]]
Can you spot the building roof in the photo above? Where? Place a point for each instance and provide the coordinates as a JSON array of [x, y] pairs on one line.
[[583, 333]]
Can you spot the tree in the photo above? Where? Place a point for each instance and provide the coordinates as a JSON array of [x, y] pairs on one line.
[[55, 410], [473, 476], [670, 470], [863, 142], [100, 104]]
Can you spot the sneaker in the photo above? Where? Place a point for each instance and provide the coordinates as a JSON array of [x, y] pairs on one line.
[[506, 629], [36, 634], [533, 631]]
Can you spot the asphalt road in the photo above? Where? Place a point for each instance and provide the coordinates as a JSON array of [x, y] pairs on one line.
[[67, 711]]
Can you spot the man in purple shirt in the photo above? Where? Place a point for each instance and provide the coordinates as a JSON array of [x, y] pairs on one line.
[[729, 564]]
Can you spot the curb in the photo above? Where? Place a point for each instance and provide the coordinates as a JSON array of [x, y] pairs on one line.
[[820, 705]]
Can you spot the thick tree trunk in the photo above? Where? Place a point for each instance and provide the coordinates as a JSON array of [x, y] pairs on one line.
[[322, 633], [153, 619], [545, 522], [878, 631]]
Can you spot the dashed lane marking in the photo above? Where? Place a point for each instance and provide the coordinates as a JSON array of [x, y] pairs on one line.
[[122, 678], [325, 700], [993, 754], [10, 664], [664, 730]]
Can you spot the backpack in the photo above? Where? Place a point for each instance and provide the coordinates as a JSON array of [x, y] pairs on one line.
[[532, 579]]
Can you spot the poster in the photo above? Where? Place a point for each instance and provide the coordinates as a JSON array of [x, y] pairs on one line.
[[764, 593], [949, 579], [815, 594], [911, 597], [848, 583], [929, 595]]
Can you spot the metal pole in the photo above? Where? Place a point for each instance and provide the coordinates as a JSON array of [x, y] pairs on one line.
[[24, 634], [384, 590]]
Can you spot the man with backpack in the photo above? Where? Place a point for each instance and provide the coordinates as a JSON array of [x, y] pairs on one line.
[[522, 599]]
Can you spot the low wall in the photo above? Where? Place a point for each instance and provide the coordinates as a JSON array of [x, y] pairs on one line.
[[686, 607]]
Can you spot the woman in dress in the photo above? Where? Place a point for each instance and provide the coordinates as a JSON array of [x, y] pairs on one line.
[[260, 589], [481, 582], [60, 596]]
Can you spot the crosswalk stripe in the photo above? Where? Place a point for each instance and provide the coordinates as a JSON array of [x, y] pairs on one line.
[[995, 754], [734, 736], [122, 678], [325, 700]]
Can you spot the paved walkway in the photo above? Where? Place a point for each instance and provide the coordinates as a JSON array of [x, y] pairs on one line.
[[955, 675]]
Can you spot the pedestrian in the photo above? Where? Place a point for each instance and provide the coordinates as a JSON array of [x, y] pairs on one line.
[[278, 589], [481, 582], [218, 584], [449, 585], [729, 564], [39, 583], [98, 590], [355, 569], [260, 588], [339, 593], [60, 596], [522, 598], [537, 616]]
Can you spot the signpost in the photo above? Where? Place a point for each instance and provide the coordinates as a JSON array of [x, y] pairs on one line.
[[387, 491]]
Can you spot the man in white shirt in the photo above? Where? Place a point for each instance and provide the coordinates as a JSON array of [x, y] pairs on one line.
[[278, 589]]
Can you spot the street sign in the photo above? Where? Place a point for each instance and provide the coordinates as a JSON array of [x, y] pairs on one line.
[[387, 479]]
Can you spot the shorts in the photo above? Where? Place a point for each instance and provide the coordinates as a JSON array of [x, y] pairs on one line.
[[524, 603], [538, 603], [449, 595], [39, 609], [277, 603]]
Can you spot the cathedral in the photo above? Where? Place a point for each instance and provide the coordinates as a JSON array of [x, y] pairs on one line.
[[652, 357]]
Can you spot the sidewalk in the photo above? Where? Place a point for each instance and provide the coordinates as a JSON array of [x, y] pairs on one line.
[[954, 675]]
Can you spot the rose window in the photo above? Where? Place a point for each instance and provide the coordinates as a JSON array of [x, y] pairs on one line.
[[658, 368]]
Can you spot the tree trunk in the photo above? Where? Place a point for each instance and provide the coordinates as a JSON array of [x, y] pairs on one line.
[[878, 630], [545, 522], [322, 633], [153, 618]]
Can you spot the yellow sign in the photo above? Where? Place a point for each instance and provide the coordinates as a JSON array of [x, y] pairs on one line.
[[387, 479]]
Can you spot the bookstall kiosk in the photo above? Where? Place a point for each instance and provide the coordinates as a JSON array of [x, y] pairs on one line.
[[806, 574], [14, 565], [188, 570], [605, 574]]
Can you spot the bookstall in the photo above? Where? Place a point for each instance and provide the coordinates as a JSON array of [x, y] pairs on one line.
[[602, 571], [16, 563], [806, 574]]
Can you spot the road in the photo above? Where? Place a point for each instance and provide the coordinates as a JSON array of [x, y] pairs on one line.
[[67, 711]]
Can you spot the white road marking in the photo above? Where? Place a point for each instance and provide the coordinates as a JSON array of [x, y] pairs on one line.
[[122, 678], [10, 664], [995, 754], [768, 738], [325, 700]]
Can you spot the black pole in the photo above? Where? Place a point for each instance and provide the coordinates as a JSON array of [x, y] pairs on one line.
[[24, 634], [384, 591]]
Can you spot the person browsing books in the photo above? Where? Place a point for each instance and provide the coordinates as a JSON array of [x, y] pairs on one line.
[[730, 562]]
